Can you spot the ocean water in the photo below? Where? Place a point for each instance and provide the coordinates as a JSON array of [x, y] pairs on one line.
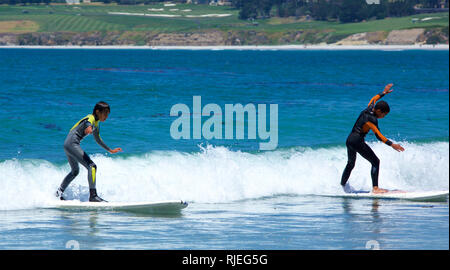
[[240, 197]]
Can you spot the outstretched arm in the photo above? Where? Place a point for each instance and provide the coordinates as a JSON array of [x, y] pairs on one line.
[[380, 137], [99, 140], [378, 134], [387, 90]]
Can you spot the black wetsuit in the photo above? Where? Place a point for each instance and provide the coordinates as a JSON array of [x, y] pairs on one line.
[[355, 142]]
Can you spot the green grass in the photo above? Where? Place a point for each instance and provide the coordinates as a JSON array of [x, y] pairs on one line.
[[84, 18], [394, 24]]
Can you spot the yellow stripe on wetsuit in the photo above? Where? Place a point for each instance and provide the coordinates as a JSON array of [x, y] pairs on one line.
[[93, 174], [89, 117]]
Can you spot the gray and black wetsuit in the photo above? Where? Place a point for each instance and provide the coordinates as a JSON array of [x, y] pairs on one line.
[[76, 155]]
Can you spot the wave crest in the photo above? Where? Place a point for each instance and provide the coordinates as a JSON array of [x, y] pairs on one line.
[[217, 174]]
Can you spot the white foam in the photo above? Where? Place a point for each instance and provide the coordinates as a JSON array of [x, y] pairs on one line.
[[217, 174]]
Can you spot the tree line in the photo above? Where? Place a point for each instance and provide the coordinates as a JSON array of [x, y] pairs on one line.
[[335, 10]]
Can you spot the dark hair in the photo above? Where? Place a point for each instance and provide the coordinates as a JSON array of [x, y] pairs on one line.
[[383, 106], [101, 106]]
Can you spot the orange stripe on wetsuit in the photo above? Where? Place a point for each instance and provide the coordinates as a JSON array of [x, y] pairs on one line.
[[370, 125], [367, 121], [374, 100]]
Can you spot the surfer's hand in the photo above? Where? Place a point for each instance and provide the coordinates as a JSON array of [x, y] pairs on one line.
[[387, 89], [88, 130], [113, 151], [398, 147]]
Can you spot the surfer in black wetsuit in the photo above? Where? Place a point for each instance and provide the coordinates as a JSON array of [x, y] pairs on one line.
[[368, 120], [75, 155]]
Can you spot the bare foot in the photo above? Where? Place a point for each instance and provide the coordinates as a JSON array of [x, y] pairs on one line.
[[379, 190]]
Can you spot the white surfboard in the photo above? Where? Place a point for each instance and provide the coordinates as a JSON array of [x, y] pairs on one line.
[[161, 207], [425, 196]]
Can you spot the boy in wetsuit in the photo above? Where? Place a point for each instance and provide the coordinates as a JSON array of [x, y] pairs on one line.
[[368, 120], [75, 155]]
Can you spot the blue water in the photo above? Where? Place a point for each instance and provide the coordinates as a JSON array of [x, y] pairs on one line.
[[240, 196]]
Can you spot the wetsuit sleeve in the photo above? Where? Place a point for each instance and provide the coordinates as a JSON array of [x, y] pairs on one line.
[[90, 122], [375, 99], [378, 134], [99, 140]]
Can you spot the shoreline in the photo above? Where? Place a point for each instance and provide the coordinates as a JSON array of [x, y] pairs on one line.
[[250, 47]]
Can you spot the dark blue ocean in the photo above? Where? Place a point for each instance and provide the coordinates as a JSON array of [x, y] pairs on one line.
[[240, 196]]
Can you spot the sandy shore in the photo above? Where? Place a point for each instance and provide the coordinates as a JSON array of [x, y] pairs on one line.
[[264, 47]]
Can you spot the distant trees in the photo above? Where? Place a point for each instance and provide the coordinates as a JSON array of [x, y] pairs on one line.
[[342, 10], [253, 8], [352, 11]]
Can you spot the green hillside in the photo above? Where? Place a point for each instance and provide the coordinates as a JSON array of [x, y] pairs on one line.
[[185, 18]]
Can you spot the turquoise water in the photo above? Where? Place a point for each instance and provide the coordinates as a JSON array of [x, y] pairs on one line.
[[240, 197]]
